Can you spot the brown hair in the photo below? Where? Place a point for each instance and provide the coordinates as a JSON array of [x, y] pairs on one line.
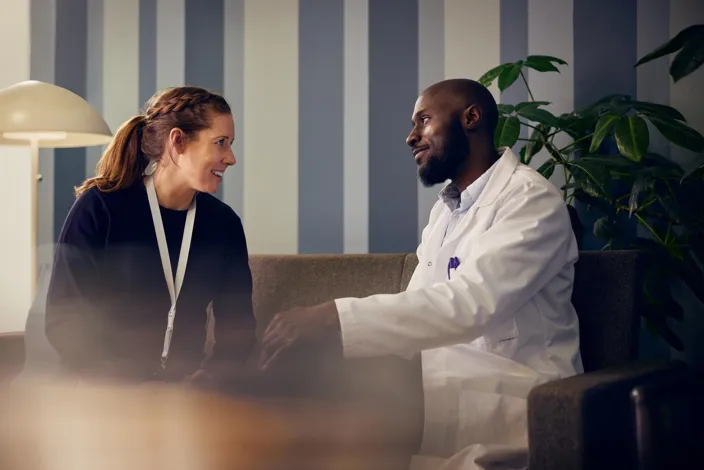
[[141, 139]]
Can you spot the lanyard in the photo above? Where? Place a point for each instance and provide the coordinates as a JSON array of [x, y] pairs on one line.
[[174, 284]]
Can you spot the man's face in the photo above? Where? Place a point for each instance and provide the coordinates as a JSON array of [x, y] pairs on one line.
[[439, 144]]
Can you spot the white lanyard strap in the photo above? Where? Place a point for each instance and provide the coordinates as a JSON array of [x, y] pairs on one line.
[[174, 284]]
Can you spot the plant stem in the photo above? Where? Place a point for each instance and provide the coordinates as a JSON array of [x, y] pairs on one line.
[[530, 93], [529, 125], [576, 142], [650, 229]]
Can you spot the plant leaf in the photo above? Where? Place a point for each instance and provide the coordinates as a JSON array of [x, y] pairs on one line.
[[542, 63], [689, 59], [507, 132], [594, 177], [611, 164], [509, 75], [536, 144], [694, 165], [673, 45], [549, 58], [603, 127], [590, 200], [547, 168], [607, 103], [505, 108], [656, 288], [658, 110], [639, 185], [522, 154], [531, 104], [488, 78], [632, 137], [539, 115], [679, 133], [659, 327], [605, 228]]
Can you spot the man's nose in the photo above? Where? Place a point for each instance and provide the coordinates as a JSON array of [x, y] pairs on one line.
[[412, 138]]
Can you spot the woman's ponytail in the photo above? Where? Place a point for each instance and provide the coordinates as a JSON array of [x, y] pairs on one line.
[[123, 161]]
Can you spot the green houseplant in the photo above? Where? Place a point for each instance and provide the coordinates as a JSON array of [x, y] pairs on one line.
[[609, 168]]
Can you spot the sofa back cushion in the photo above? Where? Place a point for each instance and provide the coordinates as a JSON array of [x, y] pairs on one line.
[[391, 385], [607, 296]]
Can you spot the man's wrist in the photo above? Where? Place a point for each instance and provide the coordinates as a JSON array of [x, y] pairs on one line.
[[332, 317]]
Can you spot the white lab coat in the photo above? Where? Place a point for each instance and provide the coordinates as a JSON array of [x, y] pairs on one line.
[[501, 324]]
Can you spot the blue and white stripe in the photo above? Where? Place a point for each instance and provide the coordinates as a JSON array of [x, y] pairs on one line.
[[322, 92]]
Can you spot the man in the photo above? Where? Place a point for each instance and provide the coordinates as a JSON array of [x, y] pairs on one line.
[[489, 305]]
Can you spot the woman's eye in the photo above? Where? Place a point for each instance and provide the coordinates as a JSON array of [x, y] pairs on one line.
[[221, 142]]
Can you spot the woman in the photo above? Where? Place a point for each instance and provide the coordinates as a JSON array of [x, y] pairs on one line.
[[121, 303]]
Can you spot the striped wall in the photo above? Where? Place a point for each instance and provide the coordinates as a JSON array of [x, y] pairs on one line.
[[322, 92]]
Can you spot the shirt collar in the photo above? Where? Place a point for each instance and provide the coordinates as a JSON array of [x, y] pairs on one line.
[[462, 201]]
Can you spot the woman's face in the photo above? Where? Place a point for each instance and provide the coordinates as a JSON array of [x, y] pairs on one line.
[[208, 154]]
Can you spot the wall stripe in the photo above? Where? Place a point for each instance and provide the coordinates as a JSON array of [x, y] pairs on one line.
[[431, 69], [15, 164], [603, 64], [472, 38], [271, 135], [94, 73], [120, 61], [205, 47], [687, 95], [43, 34], [147, 49], [70, 73], [356, 126], [170, 43], [359, 72], [233, 87], [601, 52], [320, 131], [550, 32], [393, 88], [653, 79], [513, 44]]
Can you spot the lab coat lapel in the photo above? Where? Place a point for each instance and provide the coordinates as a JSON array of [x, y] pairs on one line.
[[499, 178]]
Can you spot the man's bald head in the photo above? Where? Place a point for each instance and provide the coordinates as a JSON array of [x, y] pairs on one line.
[[451, 120], [460, 94]]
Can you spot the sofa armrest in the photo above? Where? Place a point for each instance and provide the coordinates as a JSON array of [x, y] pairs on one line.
[[585, 422]]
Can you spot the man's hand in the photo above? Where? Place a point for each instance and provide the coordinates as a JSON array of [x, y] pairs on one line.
[[300, 325], [201, 379]]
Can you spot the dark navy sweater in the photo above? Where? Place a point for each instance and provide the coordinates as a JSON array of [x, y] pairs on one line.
[[108, 300]]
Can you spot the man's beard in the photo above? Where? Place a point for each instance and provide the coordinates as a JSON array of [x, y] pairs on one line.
[[440, 168]]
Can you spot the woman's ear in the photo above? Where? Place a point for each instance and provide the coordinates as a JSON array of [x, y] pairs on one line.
[[471, 117], [177, 140]]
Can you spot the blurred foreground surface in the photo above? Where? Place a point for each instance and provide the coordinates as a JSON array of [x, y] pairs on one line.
[[155, 427]]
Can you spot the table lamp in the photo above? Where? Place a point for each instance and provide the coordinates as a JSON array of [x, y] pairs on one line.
[[42, 115]]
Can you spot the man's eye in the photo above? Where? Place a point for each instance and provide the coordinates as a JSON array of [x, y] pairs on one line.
[[425, 119]]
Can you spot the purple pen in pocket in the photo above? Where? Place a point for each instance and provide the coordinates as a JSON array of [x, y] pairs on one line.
[[454, 263]]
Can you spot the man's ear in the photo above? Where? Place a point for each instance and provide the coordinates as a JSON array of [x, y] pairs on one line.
[[471, 117], [177, 140]]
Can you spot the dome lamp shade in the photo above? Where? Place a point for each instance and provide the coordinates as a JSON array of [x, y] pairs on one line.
[[50, 116]]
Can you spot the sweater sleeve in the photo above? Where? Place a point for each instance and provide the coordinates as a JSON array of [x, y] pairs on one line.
[[74, 324], [235, 325]]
